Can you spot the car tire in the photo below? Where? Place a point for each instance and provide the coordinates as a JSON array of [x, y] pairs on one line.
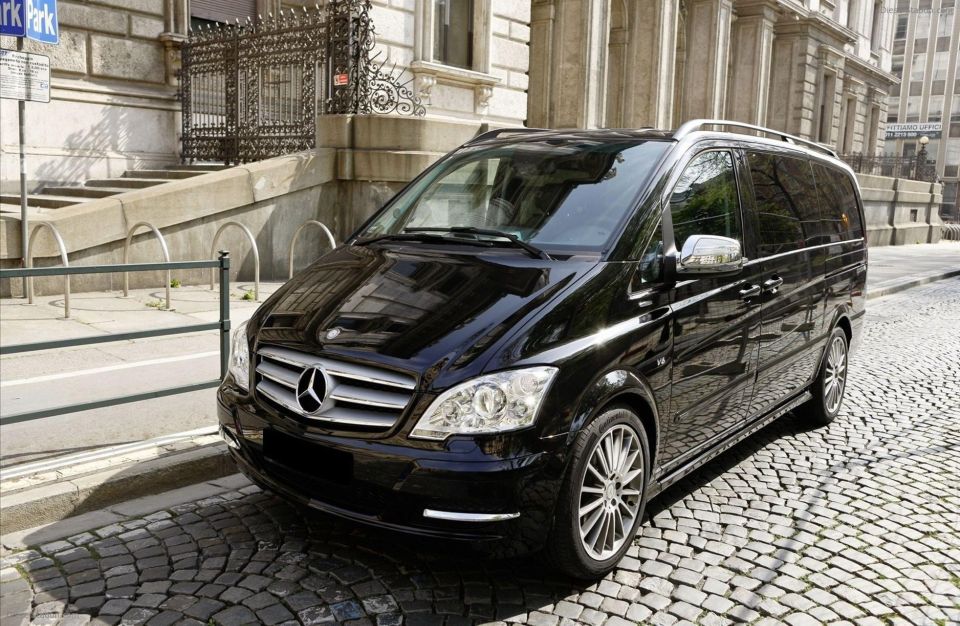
[[575, 545], [831, 382]]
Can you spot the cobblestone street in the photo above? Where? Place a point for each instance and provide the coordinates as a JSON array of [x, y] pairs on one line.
[[857, 523]]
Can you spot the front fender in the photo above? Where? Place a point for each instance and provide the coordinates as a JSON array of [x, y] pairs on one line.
[[622, 385]]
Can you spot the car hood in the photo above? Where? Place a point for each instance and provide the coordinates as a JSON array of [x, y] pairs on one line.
[[427, 310]]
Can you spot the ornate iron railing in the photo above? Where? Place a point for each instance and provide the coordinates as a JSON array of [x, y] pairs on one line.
[[252, 91], [916, 167]]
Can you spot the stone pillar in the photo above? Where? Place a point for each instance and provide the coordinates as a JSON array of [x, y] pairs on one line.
[[567, 65], [750, 57], [650, 61], [708, 45], [176, 21], [542, 19]]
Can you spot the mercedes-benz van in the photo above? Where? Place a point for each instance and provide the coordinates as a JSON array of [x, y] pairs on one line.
[[548, 327]]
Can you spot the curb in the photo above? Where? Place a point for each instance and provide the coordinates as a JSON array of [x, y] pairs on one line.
[[894, 286], [58, 496], [57, 499]]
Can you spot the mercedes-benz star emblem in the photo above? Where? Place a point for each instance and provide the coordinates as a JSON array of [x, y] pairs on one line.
[[311, 390], [333, 333]]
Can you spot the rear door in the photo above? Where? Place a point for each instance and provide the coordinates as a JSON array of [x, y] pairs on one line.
[[716, 319], [785, 211]]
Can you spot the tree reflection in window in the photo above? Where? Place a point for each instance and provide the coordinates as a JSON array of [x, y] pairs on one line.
[[705, 200]]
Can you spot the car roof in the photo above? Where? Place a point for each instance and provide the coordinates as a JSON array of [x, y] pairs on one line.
[[694, 129]]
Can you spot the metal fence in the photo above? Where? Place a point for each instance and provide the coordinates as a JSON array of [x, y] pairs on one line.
[[253, 91], [223, 325], [914, 167]]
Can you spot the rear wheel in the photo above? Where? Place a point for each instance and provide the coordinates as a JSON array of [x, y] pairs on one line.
[[831, 382], [603, 497]]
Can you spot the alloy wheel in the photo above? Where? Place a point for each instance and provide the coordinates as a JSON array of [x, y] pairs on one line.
[[835, 374], [611, 492]]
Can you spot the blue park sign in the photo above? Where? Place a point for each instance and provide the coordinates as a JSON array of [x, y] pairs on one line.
[[36, 19]]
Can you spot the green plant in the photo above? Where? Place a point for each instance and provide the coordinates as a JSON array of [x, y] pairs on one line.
[[155, 304], [175, 283], [247, 295]]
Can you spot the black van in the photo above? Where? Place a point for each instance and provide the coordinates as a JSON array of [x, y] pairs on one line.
[[548, 327]]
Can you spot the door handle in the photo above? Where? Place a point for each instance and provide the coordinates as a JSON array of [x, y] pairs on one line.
[[771, 285], [749, 292]]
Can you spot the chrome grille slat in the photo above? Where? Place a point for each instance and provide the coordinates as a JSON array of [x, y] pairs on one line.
[[370, 397], [276, 373], [277, 393], [340, 368], [357, 396]]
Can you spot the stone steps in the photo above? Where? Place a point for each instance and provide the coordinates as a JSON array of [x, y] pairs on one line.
[[84, 193], [41, 200], [126, 183], [196, 167], [172, 174]]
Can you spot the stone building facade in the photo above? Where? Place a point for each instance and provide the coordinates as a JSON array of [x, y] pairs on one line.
[[816, 68], [926, 56], [819, 69]]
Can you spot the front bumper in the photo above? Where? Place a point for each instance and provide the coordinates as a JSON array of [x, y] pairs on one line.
[[503, 506]]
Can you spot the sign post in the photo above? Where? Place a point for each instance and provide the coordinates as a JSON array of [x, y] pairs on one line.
[[25, 77]]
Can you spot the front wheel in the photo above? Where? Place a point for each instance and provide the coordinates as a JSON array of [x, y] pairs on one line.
[[831, 382], [603, 497]]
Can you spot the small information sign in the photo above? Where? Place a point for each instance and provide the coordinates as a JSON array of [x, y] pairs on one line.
[[24, 76], [913, 130]]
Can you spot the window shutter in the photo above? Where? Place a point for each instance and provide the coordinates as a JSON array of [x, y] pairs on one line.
[[224, 10]]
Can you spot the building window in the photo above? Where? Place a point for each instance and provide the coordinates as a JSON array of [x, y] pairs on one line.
[[873, 128], [918, 65], [901, 32], [828, 89], [875, 25], [847, 121], [453, 33], [935, 109], [223, 11]]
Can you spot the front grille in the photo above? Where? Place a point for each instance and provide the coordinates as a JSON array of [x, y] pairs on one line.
[[356, 397]]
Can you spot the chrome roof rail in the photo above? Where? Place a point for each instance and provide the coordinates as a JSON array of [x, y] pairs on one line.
[[490, 134], [694, 125]]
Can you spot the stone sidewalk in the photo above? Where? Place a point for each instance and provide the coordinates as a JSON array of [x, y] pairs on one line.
[[856, 523]]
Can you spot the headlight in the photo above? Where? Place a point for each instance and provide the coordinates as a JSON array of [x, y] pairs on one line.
[[493, 403], [240, 357]]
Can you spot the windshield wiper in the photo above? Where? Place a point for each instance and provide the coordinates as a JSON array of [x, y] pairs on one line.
[[418, 236], [471, 230]]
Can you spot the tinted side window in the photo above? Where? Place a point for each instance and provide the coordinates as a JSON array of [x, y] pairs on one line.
[[705, 200], [838, 204], [787, 208]]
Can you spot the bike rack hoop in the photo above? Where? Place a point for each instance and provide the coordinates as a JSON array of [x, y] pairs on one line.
[[58, 239], [126, 256], [254, 249], [296, 235]]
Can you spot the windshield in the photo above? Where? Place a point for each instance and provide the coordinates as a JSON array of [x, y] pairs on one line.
[[559, 194]]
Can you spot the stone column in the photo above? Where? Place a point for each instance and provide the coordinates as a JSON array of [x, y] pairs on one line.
[[567, 65], [650, 58], [750, 58], [708, 45], [176, 26], [540, 76]]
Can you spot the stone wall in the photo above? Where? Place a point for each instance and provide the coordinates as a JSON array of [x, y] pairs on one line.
[[361, 163], [272, 198], [900, 211], [113, 104], [494, 88]]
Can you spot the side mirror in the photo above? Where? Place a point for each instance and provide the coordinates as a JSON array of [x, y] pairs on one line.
[[709, 254]]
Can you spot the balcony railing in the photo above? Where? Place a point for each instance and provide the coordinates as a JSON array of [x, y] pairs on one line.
[[916, 167]]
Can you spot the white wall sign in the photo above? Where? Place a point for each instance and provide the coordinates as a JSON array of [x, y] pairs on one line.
[[24, 76], [913, 130]]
